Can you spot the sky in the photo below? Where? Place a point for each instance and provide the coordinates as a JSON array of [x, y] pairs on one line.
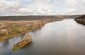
[[41, 7]]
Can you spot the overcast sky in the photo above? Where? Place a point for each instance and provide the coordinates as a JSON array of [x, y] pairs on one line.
[[41, 7]]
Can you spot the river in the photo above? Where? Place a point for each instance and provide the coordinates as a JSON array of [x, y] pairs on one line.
[[65, 37]]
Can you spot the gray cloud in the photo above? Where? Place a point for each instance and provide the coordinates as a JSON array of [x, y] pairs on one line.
[[41, 7]]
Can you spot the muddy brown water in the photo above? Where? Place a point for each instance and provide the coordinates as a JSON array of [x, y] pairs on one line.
[[64, 37]]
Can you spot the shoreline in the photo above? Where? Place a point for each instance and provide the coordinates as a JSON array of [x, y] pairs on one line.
[[80, 20], [13, 31]]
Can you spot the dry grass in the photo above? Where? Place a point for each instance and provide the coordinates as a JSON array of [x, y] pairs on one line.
[[11, 29], [9, 24]]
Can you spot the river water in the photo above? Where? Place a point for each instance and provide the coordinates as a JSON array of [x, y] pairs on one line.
[[64, 37]]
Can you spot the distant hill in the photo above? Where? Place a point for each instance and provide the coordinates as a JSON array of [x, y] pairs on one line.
[[35, 17]]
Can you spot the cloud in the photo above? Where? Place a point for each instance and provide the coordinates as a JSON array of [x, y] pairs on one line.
[[8, 6], [41, 7]]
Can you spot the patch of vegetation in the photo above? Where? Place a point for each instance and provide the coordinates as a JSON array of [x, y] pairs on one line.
[[8, 33], [23, 43]]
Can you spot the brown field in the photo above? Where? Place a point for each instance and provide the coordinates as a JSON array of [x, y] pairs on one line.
[[10, 29], [6, 24]]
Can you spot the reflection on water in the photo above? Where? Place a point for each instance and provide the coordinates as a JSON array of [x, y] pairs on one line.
[[6, 46], [5, 43], [56, 38]]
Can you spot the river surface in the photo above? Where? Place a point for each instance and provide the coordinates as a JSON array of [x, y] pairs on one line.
[[64, 37]]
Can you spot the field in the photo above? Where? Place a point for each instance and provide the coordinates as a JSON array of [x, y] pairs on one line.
[[10, 29], [9, 24]]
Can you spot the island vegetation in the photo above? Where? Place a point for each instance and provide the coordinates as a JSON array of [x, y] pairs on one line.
[[27, 39]]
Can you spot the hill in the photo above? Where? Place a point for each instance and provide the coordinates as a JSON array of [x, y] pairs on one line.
[[36, 17]]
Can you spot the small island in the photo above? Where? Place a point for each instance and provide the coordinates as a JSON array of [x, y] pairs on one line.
[[22, 43]]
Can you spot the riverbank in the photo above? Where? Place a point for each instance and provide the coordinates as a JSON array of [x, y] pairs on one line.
[[11, 29], [80, 20]]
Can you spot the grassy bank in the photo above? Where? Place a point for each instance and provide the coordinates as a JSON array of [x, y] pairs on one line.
[[11, 31]]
